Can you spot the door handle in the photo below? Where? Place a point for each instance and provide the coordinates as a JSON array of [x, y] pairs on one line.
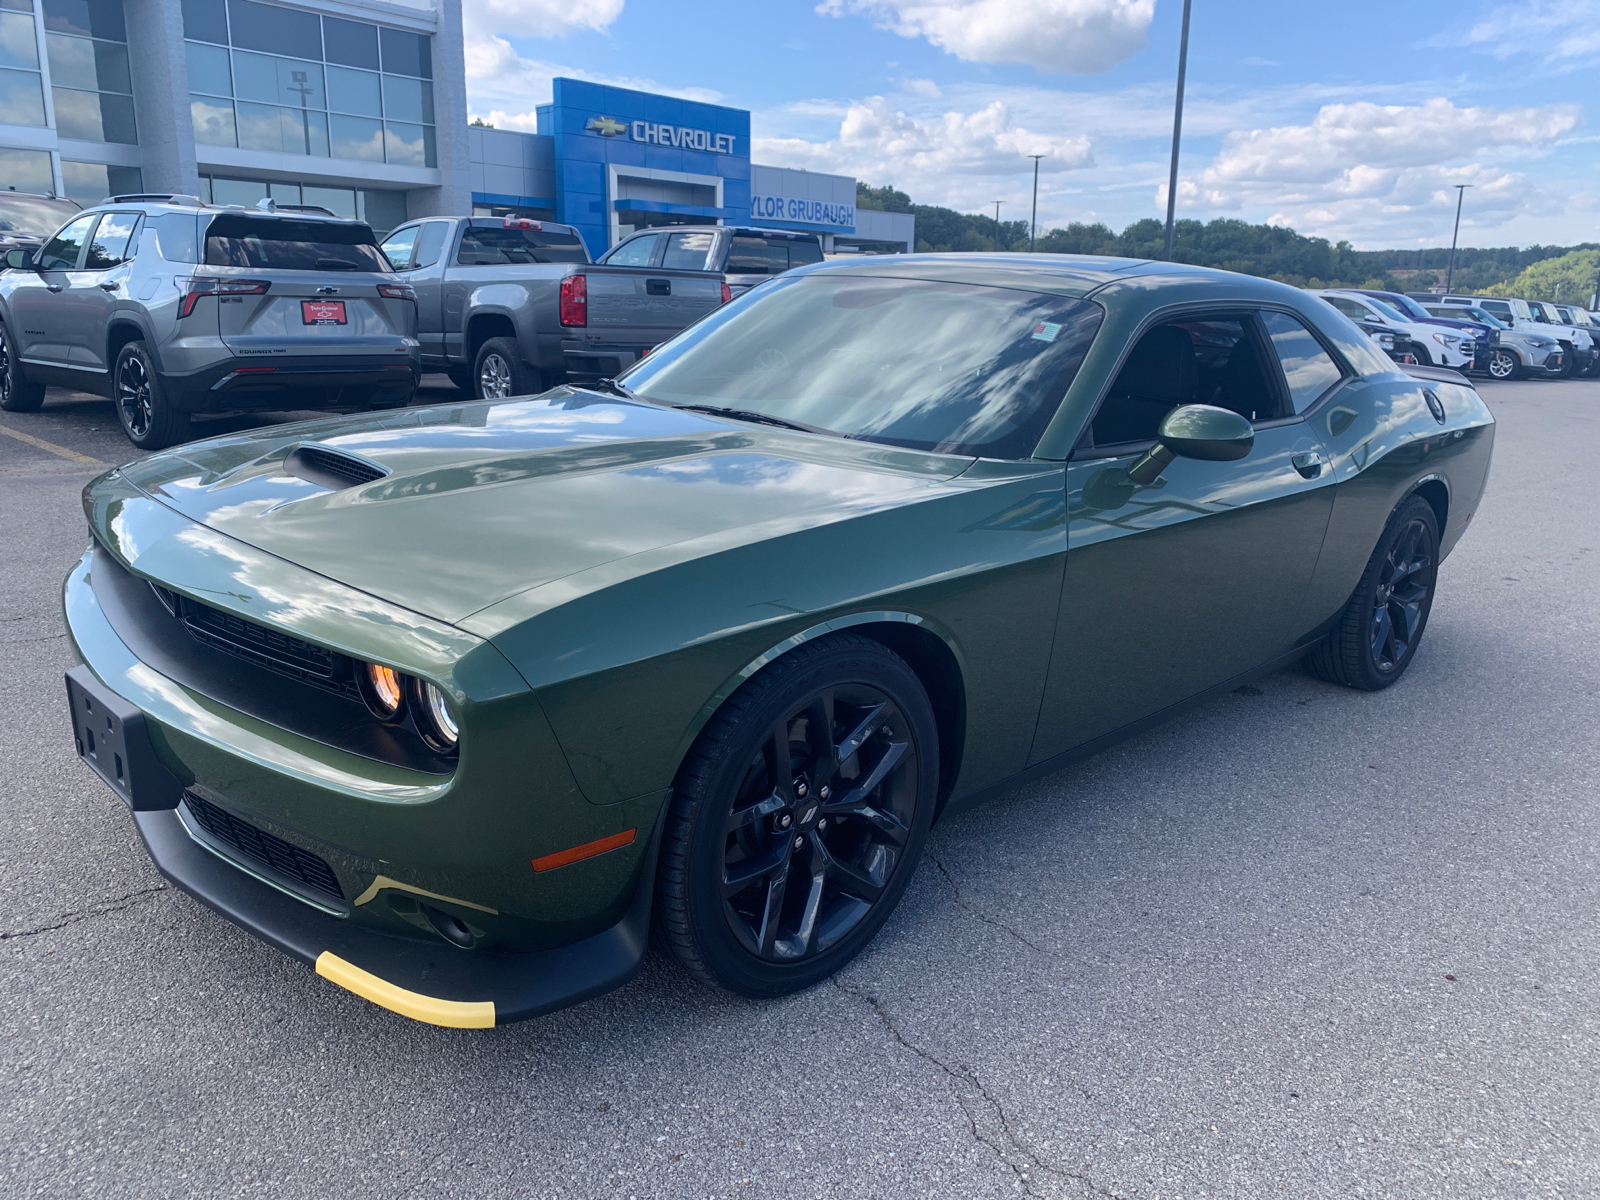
[[55, 287], [658, 287], [109, 287], [1309, 463]]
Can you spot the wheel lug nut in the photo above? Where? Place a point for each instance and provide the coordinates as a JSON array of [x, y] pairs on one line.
[[822, 825], [785, 821], [799, 842], [800, 788], [886, 731], [825, 792]]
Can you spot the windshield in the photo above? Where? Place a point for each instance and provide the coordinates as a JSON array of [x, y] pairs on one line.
[[1387, 309], [291, 245], [1460, 312], [33, 215], [1411, 308], [950, 367]]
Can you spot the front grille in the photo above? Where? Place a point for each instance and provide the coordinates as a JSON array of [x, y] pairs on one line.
[[268, 648], [261, 847]]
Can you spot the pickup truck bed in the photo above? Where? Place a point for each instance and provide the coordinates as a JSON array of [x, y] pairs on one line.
[[530, 288]]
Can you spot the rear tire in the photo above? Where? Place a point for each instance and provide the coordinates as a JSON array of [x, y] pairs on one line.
[[499, 373], [18, 393], [1382, 625], [797, 818], [144, 409]]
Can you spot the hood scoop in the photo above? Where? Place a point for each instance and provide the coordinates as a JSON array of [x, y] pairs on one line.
[[329, 467]]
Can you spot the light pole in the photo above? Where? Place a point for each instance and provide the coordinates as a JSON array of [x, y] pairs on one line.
[[1177, 127], [1033, 221], [997, 205], [1450, 275], [305, 89]]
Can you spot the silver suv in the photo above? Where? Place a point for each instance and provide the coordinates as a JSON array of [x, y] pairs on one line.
[[172, 307]]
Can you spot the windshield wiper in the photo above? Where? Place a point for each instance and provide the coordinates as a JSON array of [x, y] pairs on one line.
[[611, 386], [759, 418]]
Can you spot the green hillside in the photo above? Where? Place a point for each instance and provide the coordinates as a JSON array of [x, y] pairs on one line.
[[1538, 272]]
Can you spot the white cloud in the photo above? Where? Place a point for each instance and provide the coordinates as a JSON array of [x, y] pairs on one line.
[[1565, 33], [922, 87], [538, 18], [876, 142], [1373, 172], [1080, 36]]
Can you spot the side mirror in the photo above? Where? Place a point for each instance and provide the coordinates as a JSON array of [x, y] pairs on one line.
[[1194, 431], [19, 260]]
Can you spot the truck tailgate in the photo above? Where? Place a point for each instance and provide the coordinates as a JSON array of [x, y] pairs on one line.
[[636, 306]]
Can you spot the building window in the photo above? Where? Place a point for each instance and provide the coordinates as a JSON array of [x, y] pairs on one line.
[[21, 84], [90, 183], [90, 84], [381, 209], [27, 171], [268, 78]]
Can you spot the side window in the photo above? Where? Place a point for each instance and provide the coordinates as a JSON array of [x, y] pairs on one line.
[[1309, 369], [755, 255], [636, 252], [1214, 360], [109, 246], [1353, 309], [399, 247], [430, 243], [175, 237], [689, 251], [61, 252]]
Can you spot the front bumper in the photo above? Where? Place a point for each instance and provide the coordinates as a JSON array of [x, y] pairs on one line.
[[301, 382], [428, 982]]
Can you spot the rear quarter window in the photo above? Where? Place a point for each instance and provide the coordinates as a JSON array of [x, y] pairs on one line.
[[497, 247], [177, 236], [291, 245]]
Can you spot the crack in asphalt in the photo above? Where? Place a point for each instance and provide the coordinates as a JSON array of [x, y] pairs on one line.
[[982, 916], [83, 914], [1020, 1149]]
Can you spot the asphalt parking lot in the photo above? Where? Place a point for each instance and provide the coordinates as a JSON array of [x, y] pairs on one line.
[[1302, 942]]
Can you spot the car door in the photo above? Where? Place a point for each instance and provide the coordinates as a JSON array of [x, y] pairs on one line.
[[426, 276], [1173, 588], [43, 331], [98, 286]]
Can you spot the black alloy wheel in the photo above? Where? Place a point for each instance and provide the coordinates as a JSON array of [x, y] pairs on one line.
[[143, 410], [1382, 625], [17, 393], [797, 820], [1503, 364]]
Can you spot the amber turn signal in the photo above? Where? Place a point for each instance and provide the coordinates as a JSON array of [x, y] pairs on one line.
[[381, 689]]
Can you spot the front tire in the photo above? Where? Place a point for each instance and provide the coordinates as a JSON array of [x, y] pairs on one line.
[[1382, 625], [1504, 364], [798, 817], [17, 392], [144, 409], [499, 373]]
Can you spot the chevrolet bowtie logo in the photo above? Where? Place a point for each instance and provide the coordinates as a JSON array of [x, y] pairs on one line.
[[606, 126]]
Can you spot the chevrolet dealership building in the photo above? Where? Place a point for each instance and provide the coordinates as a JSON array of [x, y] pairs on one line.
[[360, 106]]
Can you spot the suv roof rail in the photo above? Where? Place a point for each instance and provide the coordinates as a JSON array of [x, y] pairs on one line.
[[310, 208], [41, 195], [169, 197]]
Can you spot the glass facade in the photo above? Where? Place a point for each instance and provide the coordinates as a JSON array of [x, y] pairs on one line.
[[381, 209], [27, 171], [90, 84], [268, 78], [89, 183], [21, 84]]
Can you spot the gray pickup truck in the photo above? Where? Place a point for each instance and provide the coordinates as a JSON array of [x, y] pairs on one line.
[[509, 306]]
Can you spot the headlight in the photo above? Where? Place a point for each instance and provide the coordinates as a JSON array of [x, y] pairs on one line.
[[1446, 339], [381, 689], [435, 721]]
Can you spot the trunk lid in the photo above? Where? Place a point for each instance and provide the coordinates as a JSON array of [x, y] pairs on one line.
[[643, 306]]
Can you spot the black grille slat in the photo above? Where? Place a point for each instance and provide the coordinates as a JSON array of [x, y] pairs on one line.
[[269, 648], [261, 847]]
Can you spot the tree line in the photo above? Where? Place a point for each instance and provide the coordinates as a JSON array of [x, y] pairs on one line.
[[1270, 251]]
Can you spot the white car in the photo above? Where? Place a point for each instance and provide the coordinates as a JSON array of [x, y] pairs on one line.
[[1442, 347], [1577, 346]]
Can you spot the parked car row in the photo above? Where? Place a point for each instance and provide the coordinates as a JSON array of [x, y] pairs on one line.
[[173, 307], [1501, 337]]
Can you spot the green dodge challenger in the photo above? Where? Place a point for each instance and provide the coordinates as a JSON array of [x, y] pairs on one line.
[[453, 703]]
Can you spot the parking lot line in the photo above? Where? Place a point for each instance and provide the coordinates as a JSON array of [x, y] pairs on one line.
[[50, 447]]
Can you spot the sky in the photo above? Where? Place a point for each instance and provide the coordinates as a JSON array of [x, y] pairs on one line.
[[1350, 121]]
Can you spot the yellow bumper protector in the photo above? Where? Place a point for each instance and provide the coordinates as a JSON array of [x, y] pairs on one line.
[[456, 1014]]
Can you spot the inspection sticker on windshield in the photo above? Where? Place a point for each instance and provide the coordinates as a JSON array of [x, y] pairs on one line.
[[1045, 332]]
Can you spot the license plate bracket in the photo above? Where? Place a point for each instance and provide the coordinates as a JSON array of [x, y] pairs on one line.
[[323, 312], [113, 740]]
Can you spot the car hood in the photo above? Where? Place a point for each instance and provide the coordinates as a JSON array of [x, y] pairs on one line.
[[482, 501]]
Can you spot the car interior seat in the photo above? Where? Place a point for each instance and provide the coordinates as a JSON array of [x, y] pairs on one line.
[[1159, 375]]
